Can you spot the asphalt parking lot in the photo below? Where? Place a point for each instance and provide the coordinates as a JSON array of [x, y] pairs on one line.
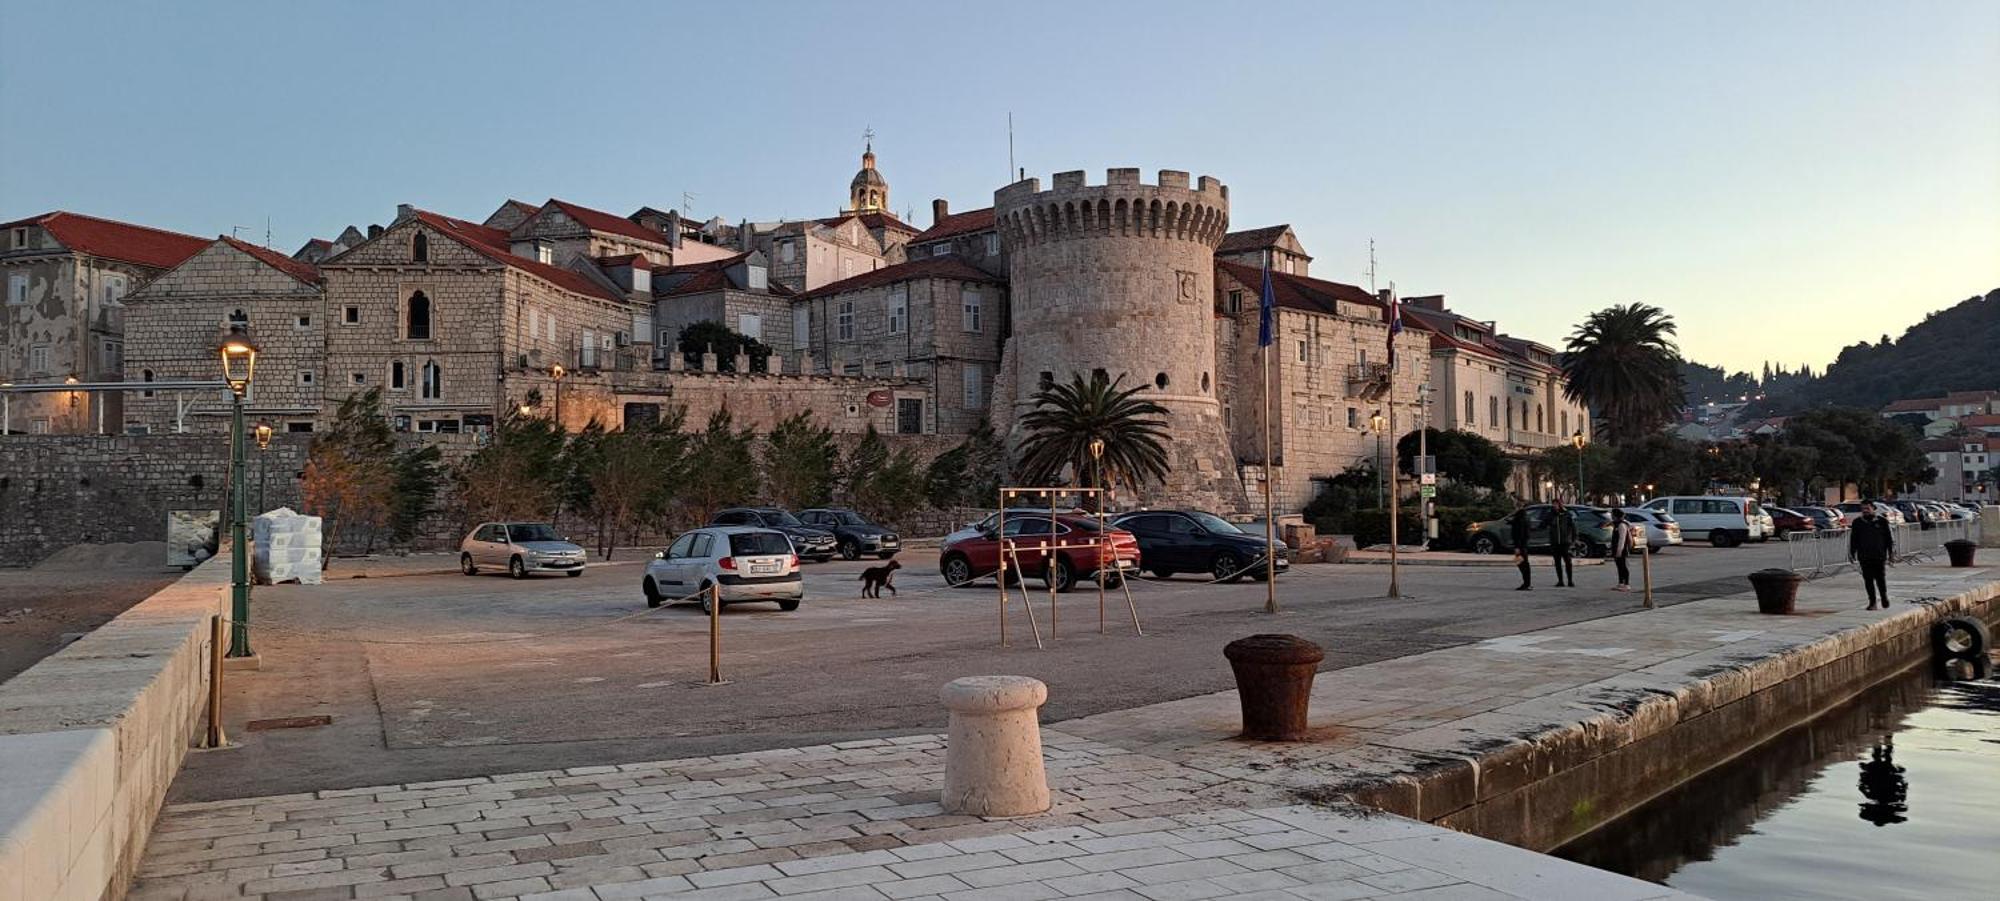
[[434, 676]]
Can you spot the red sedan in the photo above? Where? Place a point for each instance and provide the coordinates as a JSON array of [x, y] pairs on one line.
[[1787, 521], [1059, 550]]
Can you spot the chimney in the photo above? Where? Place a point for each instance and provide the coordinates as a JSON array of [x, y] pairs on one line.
[[939, 210], [374, 231], [404, 211]]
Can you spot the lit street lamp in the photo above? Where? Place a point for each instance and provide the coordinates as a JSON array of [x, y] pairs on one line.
[[556, 372], [1379, 425], [239, 363], [1578, 441], [263, 449]]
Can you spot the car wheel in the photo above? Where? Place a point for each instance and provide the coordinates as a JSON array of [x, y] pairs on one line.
[[653, 596], [707, 598], [1484, 544], [1162, 573], [1112, 581], [1226, 568], [850, 550], [1056, 575], [1719, 538], [517, 569], [789, 605], [1580, 547], [957, 571], [466, 566], [574, 573]]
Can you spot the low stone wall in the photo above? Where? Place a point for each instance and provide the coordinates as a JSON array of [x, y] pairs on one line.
[[59, 490], [1633, 737], [91, 738]]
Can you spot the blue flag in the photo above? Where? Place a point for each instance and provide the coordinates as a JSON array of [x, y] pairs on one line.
[[1267, 311], [1395, 321]]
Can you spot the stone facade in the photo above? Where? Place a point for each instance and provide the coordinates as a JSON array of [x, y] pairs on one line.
[[173, 323], [1120, 278], [59, 490], [808, 254]]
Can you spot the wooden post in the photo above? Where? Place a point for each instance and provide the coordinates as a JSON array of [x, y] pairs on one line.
[[216, 643]]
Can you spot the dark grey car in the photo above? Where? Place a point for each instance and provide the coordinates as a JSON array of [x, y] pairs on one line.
[[853, 534]]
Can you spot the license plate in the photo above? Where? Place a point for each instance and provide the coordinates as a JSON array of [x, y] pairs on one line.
[[764, 568]]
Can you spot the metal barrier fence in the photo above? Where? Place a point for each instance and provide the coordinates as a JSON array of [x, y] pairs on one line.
[[1824, 552]]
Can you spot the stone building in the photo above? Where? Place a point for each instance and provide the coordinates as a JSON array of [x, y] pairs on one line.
[[1329, 377], [173, 322], [1276, 245], [66, 276], [968, 236], [935, 320], [865, 236], [736, 291], [1119, 279]]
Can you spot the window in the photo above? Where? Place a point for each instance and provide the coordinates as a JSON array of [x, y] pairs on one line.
[[1492, 411], [20, 238], [1539, 425], [433, 388], [111, 356], [941, 249], [993, 245], [973, 303], [396, 381], [750, 326], [545, 254], [305, 377], [851, 369], [1161, 381], [1565, 423], [38, 358], [899, 309], [1236, 301], [350, 316], [114, 288], [1353, 418], [588, 357], [418, 324], [357, 378], [974, 389], [801, 326], [909, 415], [302, 323], [17, 284], [844, 321], [1302, 351], [1045, 381], [1470, 418], [786, 253], [420, 247], [145, 375], [885, 368]]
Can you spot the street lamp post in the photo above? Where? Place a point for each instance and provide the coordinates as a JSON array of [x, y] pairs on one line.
[[1378, 425], [1578, 441], [556, 372], [263, 450], [239, 363]]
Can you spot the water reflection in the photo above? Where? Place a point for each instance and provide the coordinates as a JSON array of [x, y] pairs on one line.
[[1883, 785], [1788, 819]]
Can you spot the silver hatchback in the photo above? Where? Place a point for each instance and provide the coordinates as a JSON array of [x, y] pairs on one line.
[[521, 548], [735, 563]]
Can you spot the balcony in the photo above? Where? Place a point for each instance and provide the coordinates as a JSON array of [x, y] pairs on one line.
[[1367, 381]]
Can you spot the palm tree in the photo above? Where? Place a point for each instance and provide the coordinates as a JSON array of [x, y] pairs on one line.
[[1067, 418], [1622, 363]]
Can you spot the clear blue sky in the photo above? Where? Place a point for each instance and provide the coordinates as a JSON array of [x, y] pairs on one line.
[[1785, 178]]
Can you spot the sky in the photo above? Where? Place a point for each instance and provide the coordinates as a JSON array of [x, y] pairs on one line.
[[1783, 178]]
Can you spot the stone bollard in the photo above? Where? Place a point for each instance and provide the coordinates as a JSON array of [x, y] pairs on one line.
[[1274, 679], [993, 757]]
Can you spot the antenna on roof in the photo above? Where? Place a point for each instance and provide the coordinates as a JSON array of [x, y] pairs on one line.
[[1010, 142], [237, 228], [687, 204], [267, 233], [1371, 265]]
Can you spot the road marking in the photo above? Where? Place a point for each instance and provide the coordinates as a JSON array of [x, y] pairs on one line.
[[653, 684], [1526, 644]]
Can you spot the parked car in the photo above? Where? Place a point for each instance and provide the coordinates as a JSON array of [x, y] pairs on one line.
[[1032, 534], [1724, 520], [986, 523], [1785, 521], [1593, 532], [1183, 541], [1851, 510], [817, 545], [740, 563], [520, 547], [1823, 518], [1662, 531], [853, 534]]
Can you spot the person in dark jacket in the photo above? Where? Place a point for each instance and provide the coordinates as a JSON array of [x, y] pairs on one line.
[[1562, 531], [1870, 543], [1517, 535]]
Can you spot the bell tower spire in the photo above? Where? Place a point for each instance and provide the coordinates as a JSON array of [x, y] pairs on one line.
[[869, 191]]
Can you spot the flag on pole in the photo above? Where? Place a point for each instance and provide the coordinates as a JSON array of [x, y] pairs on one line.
[[1395, 322], [1267, 310]]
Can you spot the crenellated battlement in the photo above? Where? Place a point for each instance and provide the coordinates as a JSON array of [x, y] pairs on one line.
[[1124, 206]]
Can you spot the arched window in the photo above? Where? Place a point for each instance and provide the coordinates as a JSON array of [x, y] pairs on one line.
[[433, 386], [419, 318], [1539, 425], [420, 247]]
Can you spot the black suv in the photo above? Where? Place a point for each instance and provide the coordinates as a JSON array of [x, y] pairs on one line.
[[812, 544], [1172, 541], [854, 534]]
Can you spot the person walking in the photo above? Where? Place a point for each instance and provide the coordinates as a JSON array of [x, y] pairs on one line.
[[1562, 531], [1870, 543], [1621, 544], [1517, 535]]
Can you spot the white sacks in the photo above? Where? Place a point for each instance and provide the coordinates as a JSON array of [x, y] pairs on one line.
[[285, 547]]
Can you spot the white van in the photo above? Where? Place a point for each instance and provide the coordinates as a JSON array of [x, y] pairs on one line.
[[1724, 521]]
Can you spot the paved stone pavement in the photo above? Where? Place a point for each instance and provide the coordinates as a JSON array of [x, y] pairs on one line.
[[859, 820]]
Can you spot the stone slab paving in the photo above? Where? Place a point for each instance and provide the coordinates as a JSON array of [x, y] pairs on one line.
[[858, 820]]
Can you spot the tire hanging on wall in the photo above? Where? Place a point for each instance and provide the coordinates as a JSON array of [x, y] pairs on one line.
[[1960, 638]]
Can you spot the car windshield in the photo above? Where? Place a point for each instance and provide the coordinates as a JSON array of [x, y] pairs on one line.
[[849, 518], [533, 531], [1215, 524], [781, 517], [750, 544]]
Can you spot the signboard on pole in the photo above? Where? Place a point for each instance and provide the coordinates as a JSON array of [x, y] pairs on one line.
[[1427, 491], [1429, 478]]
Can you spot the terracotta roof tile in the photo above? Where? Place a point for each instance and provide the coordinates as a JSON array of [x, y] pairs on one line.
[[1298, 292], [598, 220], [115, 240], [1251, 239], [495, 245], [928, 267], [956, 224], [886, 221], [304, 272]]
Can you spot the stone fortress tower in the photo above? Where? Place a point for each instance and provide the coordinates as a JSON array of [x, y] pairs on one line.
[[1120, 277]]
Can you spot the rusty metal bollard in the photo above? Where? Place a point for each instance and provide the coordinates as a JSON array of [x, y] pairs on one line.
[[1274, 677]]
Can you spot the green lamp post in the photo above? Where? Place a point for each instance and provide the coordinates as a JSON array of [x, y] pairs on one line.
[[239, 362]]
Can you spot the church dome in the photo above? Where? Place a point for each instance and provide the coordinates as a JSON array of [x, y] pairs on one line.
[[868, 178], [869, 191]]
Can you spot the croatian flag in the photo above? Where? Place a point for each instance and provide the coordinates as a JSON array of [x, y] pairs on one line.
[[1267, 310], [1395, 322]]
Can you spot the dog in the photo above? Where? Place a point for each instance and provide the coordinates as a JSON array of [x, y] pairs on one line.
[[876, 578]]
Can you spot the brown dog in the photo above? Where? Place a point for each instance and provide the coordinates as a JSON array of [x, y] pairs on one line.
[[876, 578]]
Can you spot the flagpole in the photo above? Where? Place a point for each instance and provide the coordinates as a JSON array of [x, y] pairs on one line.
[[1267, 327], [1395, 507]]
